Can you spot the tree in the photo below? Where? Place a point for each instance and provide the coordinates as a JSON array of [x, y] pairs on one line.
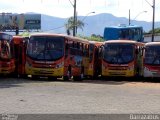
[[156, 30], [70, 25], [93, 37]]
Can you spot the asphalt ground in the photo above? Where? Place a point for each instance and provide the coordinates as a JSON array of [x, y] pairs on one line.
[[42, 96]]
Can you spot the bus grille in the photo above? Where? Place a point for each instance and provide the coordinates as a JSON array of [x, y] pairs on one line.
[[43, 72], [117, 74], [117, 68]]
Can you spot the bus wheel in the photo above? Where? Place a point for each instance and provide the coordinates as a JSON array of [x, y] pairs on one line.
[[13, 75], [35, 77], [65, 78], [23, 76], [52, 78], [77, 78], [94, 77]]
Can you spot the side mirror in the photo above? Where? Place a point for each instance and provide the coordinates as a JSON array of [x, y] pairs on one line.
[[136, 51], [101, 52], [66, 47], [142, 49]]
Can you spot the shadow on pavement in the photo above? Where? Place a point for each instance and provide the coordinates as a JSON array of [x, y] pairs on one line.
[[6, 82], [18, 82]]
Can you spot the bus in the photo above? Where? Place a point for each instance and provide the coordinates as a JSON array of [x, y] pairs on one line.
[[20, 55], [7, 61], [121, 58], [57, 55], [131, 32], [94, 65], [151, 63]]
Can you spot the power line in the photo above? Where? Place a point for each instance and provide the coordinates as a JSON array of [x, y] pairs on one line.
[[149, 3], [71, 3], [55, 28]]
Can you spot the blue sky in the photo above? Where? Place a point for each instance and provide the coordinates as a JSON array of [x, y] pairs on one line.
[[63, 8]]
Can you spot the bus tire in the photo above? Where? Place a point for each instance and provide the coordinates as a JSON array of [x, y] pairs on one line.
[[35, 77], [52, 78], [23, 76], [65, 78], [77, 78]]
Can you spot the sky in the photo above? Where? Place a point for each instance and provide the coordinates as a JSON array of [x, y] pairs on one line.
[[64, 8]]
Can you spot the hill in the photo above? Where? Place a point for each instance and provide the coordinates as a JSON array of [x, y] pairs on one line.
[[93, 24]]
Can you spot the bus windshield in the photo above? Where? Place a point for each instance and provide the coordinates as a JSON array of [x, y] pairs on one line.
[[45, 48], [152, 55], [115, 53]]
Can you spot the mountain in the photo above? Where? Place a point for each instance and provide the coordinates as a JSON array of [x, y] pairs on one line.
[[93, 24]]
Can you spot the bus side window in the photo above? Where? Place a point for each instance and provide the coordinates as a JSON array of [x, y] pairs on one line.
[[86, 50], [81, 49], [78, 45], [66, 48], [91, 51], [20, 55], [73, 45]]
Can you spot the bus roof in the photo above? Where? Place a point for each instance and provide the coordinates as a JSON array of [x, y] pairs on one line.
[[97, 43], [152, 43], [60, 35], [124, 26], [18, 39], [5, 36], [120, 41]]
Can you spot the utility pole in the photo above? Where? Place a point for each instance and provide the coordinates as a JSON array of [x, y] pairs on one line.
[[129, 17], [153, 21], [74, 19]]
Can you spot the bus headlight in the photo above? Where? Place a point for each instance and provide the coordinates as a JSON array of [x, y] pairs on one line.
[[131, 67], [91, 66], [146, 69], [28, 64], [60, 65]]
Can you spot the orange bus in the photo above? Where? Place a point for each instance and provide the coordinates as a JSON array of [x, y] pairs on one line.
[[94, 65], [122, 58], [7, 61], [20, 55], [151, 63], [57, 55]]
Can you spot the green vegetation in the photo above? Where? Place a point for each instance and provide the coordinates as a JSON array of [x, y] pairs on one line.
[[70, 25], [93, 37], [25, 34], [156, 30]]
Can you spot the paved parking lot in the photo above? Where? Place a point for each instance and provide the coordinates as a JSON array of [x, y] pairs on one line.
[[89, 96]]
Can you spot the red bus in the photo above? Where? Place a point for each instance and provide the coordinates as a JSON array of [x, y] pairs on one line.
[[20, 55], [94, 65], [151, 63], [122, 58], [57, 55], [7, 61]]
